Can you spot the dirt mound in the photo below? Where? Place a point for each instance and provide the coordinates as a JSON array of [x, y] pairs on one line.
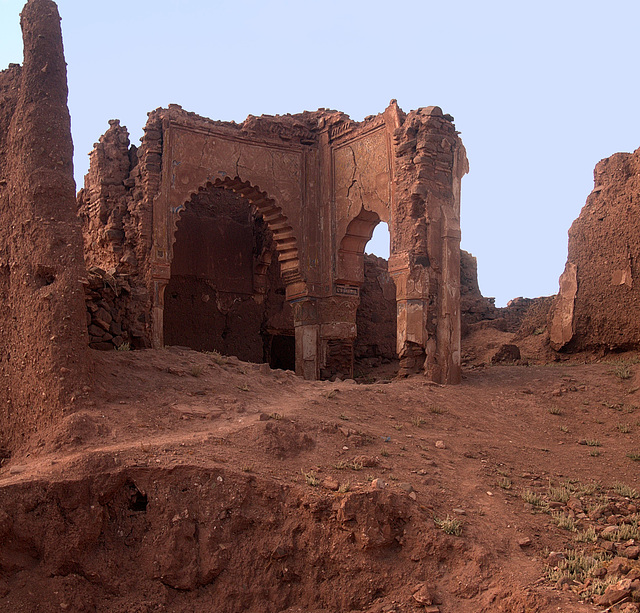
[[189, 481]]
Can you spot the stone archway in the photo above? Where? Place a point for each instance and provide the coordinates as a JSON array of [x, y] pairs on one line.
[[255, 283], [226, 292]]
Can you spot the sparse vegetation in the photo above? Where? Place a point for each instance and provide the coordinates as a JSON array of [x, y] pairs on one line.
[[344, 487], [554, 410], [124, 347], [586, 536], [449, 525], [217, 357], [623, 371], [534, 499], [564, 521], [417, 421], [624, 428], [624, 490], [196, 370], [505, 483], [594, 453], [311, 478], [343, 417], [634, 455], [275, 416], [564, 429], [436, 410], [558, 494], [592, 442], [243, 388]]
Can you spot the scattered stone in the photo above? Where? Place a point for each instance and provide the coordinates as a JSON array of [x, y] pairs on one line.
[[555, 557], [440, 445], [331, 484], [378, 484], [614, 593], [423, 594], [524, 542]]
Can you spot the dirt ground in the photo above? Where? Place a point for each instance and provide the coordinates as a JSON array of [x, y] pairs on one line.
[[190, 481]]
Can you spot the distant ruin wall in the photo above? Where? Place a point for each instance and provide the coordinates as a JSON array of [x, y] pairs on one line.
[[43, 339], [598, 306]]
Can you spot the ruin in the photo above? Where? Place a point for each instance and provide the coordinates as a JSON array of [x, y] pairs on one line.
[[43, 362], [597, 303], [249, 238]]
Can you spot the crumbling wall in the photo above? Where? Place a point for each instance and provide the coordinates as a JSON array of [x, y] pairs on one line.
[[474, 307], [598, 304], [43, 338], [425, 243]]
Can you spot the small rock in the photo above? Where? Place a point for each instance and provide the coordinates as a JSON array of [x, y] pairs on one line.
[[413, 496], [459, 511], [618, 566], [423, 594], [554, 558], [613, 593], [331, 484], [440, 445], [608, 531], [524, 542], [631, 553], [16, 470], [378, 484]]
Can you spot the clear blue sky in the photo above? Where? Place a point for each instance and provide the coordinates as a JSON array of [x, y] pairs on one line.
[[540, 91]]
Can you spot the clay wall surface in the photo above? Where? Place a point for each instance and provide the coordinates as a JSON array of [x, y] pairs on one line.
[[376, 315], [43, 360], [321, 183], [599, 299]]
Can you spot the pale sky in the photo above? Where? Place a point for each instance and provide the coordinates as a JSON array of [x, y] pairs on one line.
[[540, 91]]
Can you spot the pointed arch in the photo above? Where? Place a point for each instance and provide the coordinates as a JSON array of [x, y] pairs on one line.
[[276, 220], [351, 248]]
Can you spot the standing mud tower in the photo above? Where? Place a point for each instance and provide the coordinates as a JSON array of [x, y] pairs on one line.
[[43, 335], [250, 238]]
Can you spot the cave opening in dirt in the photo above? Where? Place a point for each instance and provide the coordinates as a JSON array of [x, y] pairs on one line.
[[226, 293]]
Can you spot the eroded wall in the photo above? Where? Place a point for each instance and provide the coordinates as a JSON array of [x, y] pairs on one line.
[[43, 333], [599, 299]]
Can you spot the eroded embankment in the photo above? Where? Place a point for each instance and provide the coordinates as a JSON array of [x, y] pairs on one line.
[[185, 539]]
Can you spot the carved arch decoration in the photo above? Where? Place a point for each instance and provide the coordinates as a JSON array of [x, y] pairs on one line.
[[276, 220]]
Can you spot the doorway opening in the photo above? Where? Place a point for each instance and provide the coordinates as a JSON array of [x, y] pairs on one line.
[[226, 289]]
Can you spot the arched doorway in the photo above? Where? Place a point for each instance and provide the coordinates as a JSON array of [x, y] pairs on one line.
[[376, 317], [374, 343], [226, 292]]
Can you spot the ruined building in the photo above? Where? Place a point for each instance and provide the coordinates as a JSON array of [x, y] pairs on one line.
[[599, 299], [249, 238], [43, 336]]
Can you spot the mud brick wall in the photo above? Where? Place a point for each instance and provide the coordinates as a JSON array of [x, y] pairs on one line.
[[43, 339], [376, 315], [598, 305]]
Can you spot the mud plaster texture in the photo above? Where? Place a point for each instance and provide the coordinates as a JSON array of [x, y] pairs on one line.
[[599, 298], [43, 363], [318, 184]]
